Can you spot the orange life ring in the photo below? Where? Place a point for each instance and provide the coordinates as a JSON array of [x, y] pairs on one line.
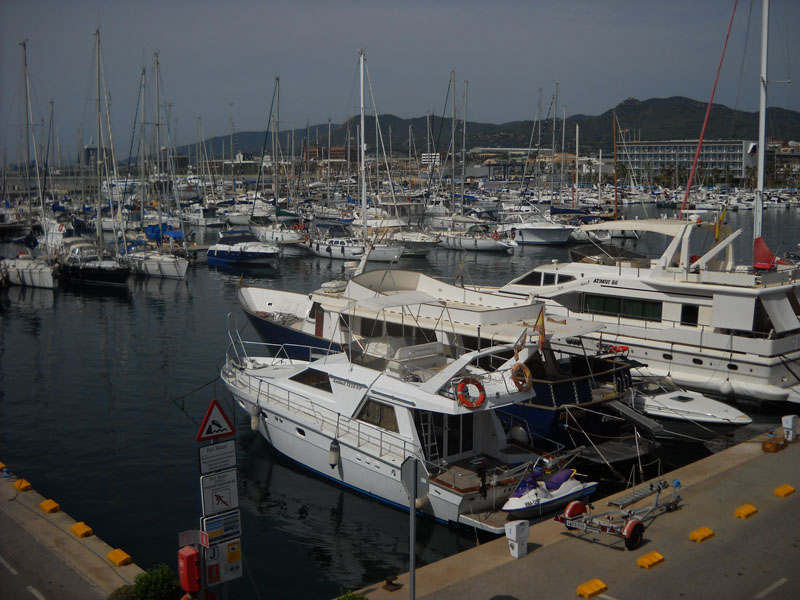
[[619, 349], [521, 376], [296, 227], [463, 394], [496, 236]]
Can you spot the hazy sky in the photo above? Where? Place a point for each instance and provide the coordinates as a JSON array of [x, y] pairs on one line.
[[214, 53]]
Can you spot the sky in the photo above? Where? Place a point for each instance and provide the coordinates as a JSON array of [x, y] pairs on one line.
[[220, 58]]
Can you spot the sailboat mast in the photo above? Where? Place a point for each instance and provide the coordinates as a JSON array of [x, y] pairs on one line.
[[575, 194], [24, 45], [99, 218], [363, 171], [156, 77], [762, 122], [453, 144], [464, 143], [614, 129]]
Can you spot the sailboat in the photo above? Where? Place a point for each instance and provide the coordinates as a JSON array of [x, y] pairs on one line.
[[354, 248], [26, 268], [150, 262], [90, 262]]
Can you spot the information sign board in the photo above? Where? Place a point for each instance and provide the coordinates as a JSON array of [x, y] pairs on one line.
[[217, 457], [221, 527], [223, 562]]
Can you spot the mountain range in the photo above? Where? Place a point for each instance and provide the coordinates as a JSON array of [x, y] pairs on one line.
[[656, 119]]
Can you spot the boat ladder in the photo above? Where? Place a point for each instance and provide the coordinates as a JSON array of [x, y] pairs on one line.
[[429, 441], [639, 494]]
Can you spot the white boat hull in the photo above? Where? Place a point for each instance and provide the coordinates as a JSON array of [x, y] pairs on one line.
[[29, 272]]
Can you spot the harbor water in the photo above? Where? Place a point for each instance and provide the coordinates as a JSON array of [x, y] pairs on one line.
[[103, 391]]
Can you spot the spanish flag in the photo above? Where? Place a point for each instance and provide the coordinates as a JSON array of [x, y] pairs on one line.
[[719, 222], [539, 327]]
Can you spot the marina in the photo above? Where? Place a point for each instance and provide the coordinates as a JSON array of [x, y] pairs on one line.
[[129, 447], [342, 373]]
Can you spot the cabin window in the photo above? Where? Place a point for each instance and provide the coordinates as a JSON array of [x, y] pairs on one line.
[[565, 279], [370, 327], [666, 356], [697, 361], [313, 378], [733, 367], [314, 308], [631, 308], [379, 414], [689, 313], [548, 278], [532, 278]]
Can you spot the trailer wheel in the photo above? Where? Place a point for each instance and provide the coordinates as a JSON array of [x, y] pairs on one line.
[[574, 509], [633, 532]]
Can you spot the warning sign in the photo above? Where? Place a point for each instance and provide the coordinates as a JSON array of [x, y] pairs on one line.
[[215, 424], [219, 492]]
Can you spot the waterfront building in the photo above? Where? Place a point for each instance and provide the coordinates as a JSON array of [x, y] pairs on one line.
[[732, 161]]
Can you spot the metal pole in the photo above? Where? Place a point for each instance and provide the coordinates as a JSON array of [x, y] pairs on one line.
[[412, 534]]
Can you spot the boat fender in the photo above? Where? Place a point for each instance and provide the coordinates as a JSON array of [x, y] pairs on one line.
[[496, 236], [521, 376], [334, 454], [254, 418], [726, 388], [619, 349], [519, 435], [463, 393], [422, 503]]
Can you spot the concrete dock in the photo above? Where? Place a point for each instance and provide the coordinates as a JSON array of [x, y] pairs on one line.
[[42, 556], [755, 556], [752, 553]]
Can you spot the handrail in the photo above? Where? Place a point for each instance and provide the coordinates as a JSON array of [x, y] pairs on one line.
[[340, 425]]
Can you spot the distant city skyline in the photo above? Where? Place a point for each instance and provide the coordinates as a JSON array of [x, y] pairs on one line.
[[219, 59]]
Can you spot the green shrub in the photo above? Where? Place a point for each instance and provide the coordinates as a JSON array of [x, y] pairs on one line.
[[157, 583], [350, 596]]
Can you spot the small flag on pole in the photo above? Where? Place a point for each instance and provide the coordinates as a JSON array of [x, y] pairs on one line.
[[539, 327]]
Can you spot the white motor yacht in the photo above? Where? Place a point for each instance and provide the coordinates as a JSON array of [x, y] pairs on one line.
[[356, 424]]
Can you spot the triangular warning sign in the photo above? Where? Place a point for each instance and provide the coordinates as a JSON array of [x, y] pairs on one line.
[[215, 424]]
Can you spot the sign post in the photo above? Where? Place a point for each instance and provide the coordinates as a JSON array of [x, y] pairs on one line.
[[220, 527], [416, 488]]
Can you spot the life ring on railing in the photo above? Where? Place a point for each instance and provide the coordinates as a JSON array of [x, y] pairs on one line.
[[296, 227], [619, 349], [496, 236], [61, 227], [521, 376], [463, 394], [306, 236]]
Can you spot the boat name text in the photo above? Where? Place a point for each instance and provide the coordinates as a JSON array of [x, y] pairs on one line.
[[606, 281], [348, 383]]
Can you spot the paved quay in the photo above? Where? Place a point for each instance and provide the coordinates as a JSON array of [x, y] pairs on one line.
[[754, 557], [42, 558]]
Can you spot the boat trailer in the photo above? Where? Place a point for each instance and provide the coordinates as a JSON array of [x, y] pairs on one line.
[[622, 522]]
